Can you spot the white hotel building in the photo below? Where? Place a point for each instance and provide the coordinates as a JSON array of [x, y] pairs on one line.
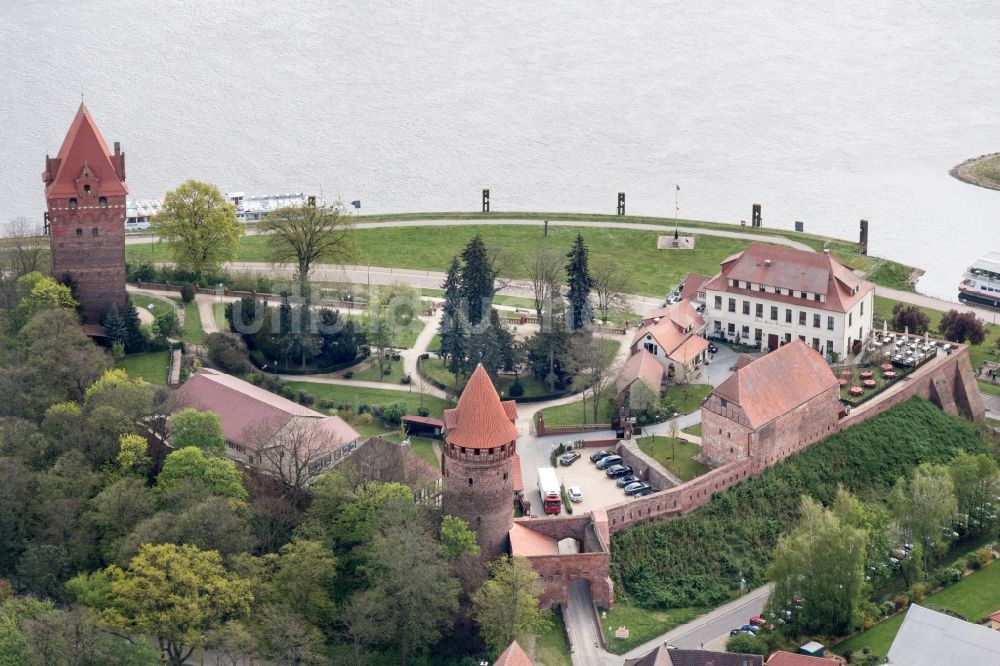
[[767, 296]]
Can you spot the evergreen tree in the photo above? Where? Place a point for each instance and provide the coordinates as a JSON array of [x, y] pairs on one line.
[[476, 281], [114, 325], [448, 329], [580, 284], [135, 340]]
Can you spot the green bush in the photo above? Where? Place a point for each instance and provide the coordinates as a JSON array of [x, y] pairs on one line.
[[747, 644], [229, 352], [187, 292], [405, 380], [917, 592], [946, 576], [348, 374], [393, 413], [423, 411], [305, 398], [516, 390], [972, 561], [698, 559]]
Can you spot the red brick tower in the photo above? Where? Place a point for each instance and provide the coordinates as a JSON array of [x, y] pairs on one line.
[[85, 193], [480, 443]]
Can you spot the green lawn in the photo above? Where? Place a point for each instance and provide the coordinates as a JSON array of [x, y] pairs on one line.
[[371, 373], [422, 446], [552, 649], [219, 310], [533, 387], [357, 395], [689, 397], [643, 624], [193, 331], [693, 430], [152, 366], [974, 597], [977, 353], [684, 465], [576, 413], [989, 387]]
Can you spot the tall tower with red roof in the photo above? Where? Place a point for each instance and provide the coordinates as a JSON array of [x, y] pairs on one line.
[[85, 193], [480, 447]]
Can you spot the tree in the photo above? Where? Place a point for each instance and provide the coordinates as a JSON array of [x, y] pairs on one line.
[[747, 644], [219, 475], [909, 318], [40, 292], [380, 337], [596, 368], [133, 455], [548, 353], [449, 330], [876, 522], [457, 539], [26, 247], [166, 324], [544, 268], [199, 226], [612, 284], [307, 235], [296, 455], [959, 327], [476, 279], [176, 593], [924, 507], [117, 510], [977, 486], [190, 427], [506, 606], [580, 285], [820, 565], [303, 579]]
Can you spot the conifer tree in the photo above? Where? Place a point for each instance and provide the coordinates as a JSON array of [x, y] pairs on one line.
[[447, 330], [580, 284], [476, 281], [135, 340], [114, 325]]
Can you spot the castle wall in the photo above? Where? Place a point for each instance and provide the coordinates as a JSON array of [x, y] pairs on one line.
[[480, 489]]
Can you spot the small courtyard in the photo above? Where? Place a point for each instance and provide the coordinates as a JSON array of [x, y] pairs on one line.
[[677, 455]]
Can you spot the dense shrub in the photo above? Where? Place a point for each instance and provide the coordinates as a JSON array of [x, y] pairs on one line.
[[946, 576], [305, 398], [423, 411], [348, 374], [698, 559], [393, 413], [516, 390], [187, 292], [405, 380], [917, 592], [229, 353]]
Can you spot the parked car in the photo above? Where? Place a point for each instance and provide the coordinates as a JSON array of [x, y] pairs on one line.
[[615, 471], [648, 490], [712, 349], [596, 457], [737, 632], [750, 629], [634, 488], [608, 461], [627, 479], [758, 621], [575, 494], [567, 459]]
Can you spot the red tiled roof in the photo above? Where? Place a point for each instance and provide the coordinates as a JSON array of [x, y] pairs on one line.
[[426, 420], [743, 360], [84, 145], [241, 406], [782, 658], [778, 382], [995, 615], [480, 420], [527, 542], [516, 478], [641, 365], [689, 349], [514, 655], [693, 283], [682, 314], [665, 656], [797, 270]]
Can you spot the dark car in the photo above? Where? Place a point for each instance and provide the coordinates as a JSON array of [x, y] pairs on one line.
[[594, 457], [737, 632], [648, 490], [712, 349], [608, 461], [627, 479], [635, 488], [614, 471], [567, 459]]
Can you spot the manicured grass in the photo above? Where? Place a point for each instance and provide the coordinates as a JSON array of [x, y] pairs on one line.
[[989, 387], [677, 455], [193, 331], [351, 395], [575, 413], [977, 353], [422, 446], [973, 597], [219, 310], [689, 397], [551, 646], [693, 430], [643, 624], [371, 373], [152, 366], [533, 387]]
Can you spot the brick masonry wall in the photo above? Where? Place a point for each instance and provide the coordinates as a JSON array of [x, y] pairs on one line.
[[798, 429], [646, 468], [725, 432], [486, 503], [558, 571]]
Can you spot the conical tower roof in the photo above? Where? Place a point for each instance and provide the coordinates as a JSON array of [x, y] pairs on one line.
[[479, 421]]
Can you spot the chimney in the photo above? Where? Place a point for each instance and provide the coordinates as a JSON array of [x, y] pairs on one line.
[[118, 148], [767, 262]]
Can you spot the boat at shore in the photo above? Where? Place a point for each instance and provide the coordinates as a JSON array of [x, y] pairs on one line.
[[139, 212], [981, 282]]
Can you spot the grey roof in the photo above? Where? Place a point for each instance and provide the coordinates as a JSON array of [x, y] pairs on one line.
[[929, 638], [664, 656]]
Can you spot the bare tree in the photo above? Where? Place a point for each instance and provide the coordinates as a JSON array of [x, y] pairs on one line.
[[545, 268], [595, 365], [673, 430], [295, 454], [25, 247], [502, 262], [612, 284], [307, 235]]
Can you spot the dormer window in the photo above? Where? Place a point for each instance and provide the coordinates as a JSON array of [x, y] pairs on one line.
[[79, 231], [72, 203], [103, 201]]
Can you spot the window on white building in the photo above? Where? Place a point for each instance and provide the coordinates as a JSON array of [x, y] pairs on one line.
[[815, 321], [788, 315], [746, 307], [802, 318], [718, 302], [829, 323], [732, 305], [774, 313], [760, 310]]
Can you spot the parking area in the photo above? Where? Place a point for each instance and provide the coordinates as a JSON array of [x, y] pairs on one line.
[[598, 490]]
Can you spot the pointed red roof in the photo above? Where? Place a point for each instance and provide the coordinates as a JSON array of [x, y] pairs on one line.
[[82, 146], [480, 420], [514, 655]]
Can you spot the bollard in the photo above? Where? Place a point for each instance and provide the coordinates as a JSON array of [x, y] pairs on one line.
[[621, 203], [863, 238], [755, 219], [486, 199]]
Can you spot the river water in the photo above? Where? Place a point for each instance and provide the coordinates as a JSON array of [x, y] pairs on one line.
[[822, 112]]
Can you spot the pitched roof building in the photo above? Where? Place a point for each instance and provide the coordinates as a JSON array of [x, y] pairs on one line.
[[782, 658], [262, 429], [771, 407], [666, 656], [769, 295], [929, 638], [514, 655], [673, 335]]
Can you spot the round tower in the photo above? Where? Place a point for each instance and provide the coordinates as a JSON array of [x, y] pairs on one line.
[[479, 454]]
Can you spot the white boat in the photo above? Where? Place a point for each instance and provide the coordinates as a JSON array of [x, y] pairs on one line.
[[138, 212], [981, 282]]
